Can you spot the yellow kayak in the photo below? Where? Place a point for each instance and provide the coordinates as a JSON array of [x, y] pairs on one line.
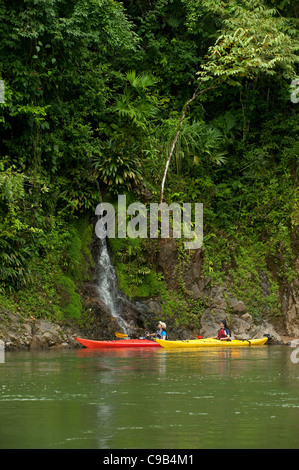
[[210, 342]]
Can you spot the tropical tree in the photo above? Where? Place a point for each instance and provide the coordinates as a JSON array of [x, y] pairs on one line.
[[253, 41], [136, 104], [56, 62]]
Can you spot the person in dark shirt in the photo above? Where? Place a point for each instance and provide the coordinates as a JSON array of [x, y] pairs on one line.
[[224, 333]]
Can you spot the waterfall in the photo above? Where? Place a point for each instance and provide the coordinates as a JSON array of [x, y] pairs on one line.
[[107, 286]]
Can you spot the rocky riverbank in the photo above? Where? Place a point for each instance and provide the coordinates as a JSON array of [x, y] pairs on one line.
[[19, 333]]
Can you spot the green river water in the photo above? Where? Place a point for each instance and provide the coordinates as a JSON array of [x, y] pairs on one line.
[[243, 398]]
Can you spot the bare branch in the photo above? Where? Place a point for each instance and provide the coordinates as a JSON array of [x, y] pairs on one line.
[[185, 109]]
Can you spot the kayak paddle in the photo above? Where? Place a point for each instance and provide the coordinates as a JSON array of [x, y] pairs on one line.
[[120, 335]]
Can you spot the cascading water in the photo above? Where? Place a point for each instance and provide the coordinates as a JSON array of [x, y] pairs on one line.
[[107, 286]]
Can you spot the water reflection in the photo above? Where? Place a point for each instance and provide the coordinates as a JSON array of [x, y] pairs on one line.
[[151, 398]]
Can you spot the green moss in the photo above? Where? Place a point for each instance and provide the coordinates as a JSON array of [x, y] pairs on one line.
[[71, 305], [139, 281], [53, 292], [78, 252], [183, 311], [240, 263]]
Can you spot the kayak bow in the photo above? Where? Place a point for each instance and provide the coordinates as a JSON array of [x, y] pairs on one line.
[[121, 343]]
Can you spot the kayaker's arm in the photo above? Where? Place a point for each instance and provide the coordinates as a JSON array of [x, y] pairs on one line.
[[227, 338]]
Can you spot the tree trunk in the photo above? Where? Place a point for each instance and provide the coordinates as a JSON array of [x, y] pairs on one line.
[[185, 109]]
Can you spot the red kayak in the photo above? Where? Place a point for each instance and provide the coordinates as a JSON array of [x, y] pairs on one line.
[[118, 343]]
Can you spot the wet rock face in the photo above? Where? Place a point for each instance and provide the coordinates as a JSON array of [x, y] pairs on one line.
[[220, 302], [167, 261], [21, 333], [290, 306]]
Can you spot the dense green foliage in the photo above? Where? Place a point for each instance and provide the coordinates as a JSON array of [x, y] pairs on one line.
[[94, 94]]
